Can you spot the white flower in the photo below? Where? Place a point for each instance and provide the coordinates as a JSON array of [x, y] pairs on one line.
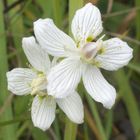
[[83, 56], [33, 81]]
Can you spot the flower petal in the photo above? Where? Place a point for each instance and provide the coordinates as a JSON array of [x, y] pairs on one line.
[[43, 112], [19, 80], [87, 23], [99, 89], [37, 57], [73, 107], [56, 42], [116, 54], [64, 77]]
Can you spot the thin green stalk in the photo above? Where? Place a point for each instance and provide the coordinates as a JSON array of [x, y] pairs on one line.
[[10, 122], [96, 116], [137, 3], [18, 15], [38, 134], [57, 129], [134, 66], [57, 12], [125, 88], [129, 100], [13, 54], [17, 40], [22, 129], [71, 128], [47, 8], [8, 132], [86, 136], [109, 122], [73, 6]]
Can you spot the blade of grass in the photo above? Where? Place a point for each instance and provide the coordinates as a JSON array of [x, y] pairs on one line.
[[134, 67], [92, 124], [86, 135], [13, 121], [39, 134], [22, 129], [57, 129], [57, 12], [129, 100], [73, 6], [137, 3], [6, 103], [95, 113], [17, 40], [71, 128], [18, 15], [109, 122], [47, 8], [8, 132]]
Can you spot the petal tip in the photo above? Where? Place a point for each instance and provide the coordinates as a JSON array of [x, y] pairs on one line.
[[110, 103], [38, 21], [42, 21], [81, 121], [25, 39]]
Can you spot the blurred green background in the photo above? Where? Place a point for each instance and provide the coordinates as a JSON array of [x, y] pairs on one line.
[[121, 18]]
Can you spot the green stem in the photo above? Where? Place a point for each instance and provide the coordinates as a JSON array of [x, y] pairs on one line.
[[96, 116], [71, 128], [57, 12], [22, 129], [129, 100], [109, 122], [18, 15], [86, 136], [8, 132], [137, 3], [17, 40], [57, 129], [73, 6], [10, 122]]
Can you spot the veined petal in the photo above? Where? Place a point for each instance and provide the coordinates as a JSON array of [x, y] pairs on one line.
[[43, 112], [73, 107], [87, 23], [19, 80], [116, 54], [99, 89], [37, 57], [64, 77], [56, 42]]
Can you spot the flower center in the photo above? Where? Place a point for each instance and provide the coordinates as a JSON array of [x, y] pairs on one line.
[[38, 85], [90, 51]]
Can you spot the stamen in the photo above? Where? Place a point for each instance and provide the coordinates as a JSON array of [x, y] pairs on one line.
[[90, 39], [37, 84]]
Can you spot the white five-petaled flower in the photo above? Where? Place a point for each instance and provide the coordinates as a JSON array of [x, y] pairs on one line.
[[23, 81], [83, 56]]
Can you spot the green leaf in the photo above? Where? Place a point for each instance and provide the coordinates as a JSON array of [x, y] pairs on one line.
[[39, 134], [134, 67], [8, 132], [129, 100]]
